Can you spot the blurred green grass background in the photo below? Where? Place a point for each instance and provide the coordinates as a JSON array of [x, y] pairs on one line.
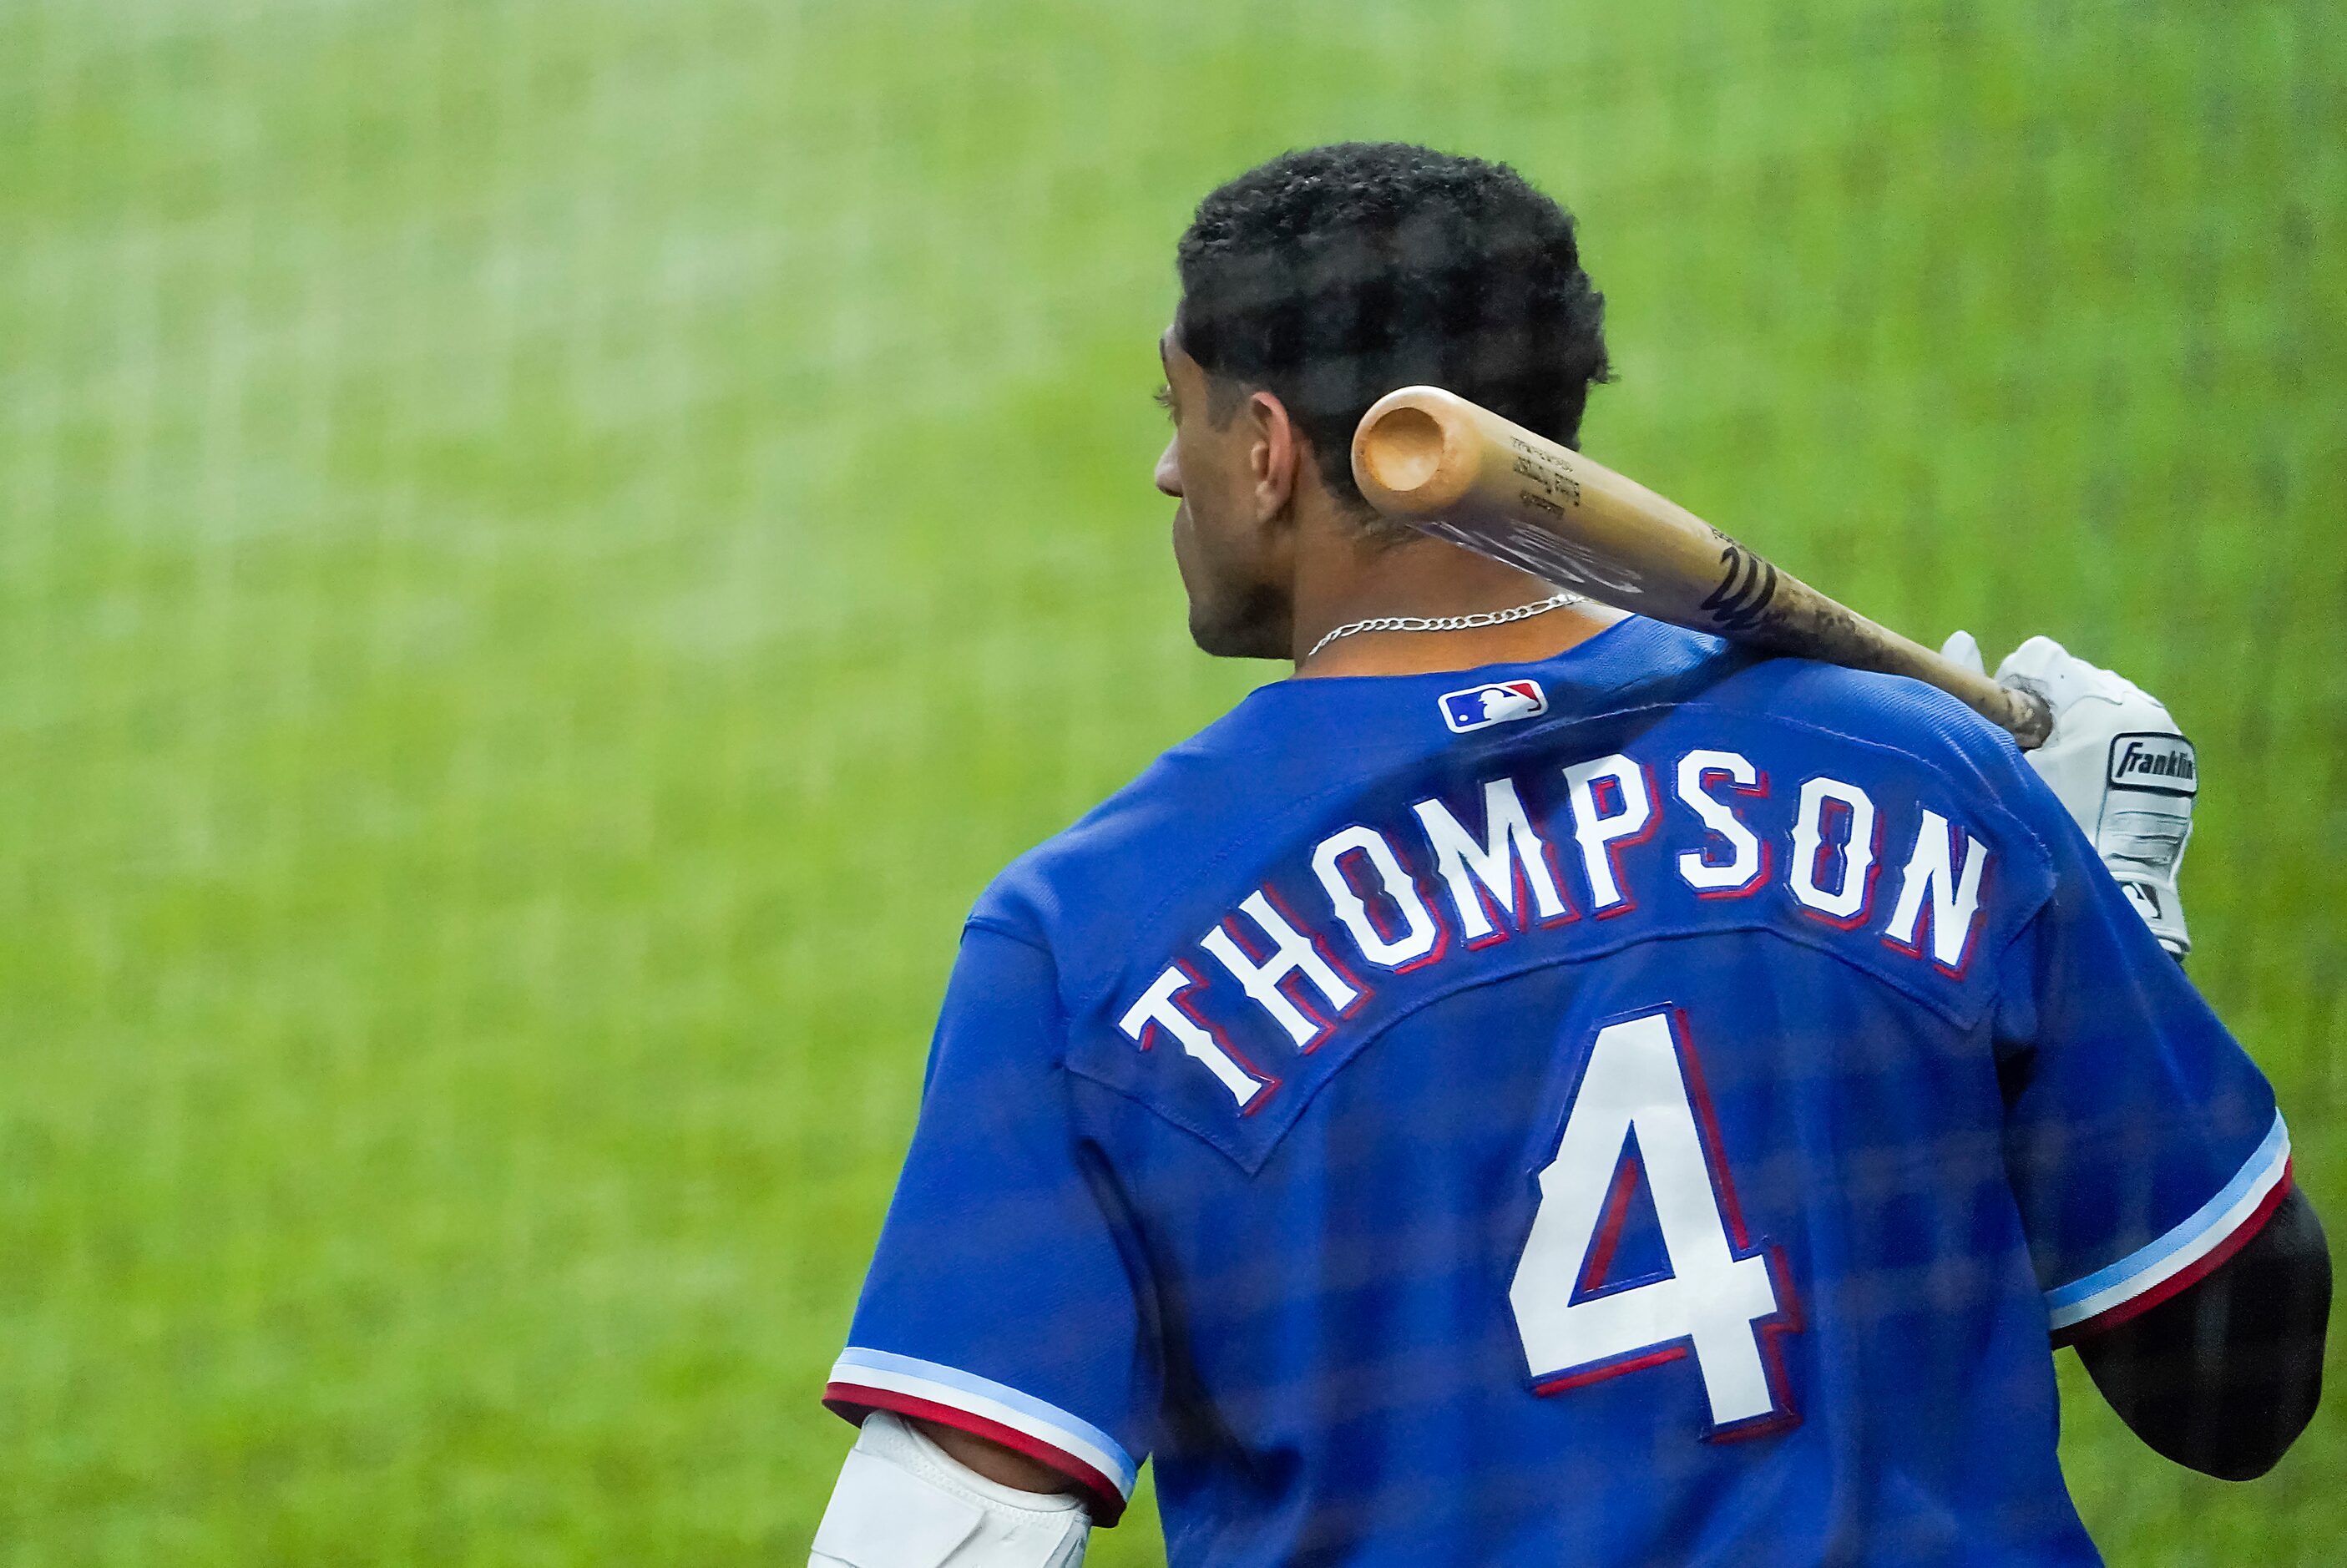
[[547, 551]]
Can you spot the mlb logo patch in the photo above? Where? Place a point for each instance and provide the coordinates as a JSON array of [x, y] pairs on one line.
[[1479, 707]]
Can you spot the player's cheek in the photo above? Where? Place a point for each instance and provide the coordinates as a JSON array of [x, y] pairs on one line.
[[1185, 549]]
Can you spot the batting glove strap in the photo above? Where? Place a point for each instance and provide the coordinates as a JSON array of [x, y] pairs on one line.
[[2119, 764]]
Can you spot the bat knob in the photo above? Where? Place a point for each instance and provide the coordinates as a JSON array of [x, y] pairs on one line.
[[1414, 452]]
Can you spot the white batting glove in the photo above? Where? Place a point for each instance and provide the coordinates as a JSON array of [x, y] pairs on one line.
[[2120, 764]]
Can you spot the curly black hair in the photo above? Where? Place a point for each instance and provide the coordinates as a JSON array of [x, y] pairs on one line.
[[1332, 275]]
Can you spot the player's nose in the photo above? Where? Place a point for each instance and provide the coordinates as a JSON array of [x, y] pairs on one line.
[[1168, 472]]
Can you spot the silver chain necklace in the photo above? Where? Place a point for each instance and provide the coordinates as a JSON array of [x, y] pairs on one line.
[[1447, 622]]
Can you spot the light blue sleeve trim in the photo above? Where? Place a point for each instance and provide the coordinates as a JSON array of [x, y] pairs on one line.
[[1035, 1409], [2272, 1151]]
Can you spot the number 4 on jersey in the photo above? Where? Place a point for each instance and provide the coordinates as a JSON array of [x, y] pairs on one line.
[[1722, 1299]]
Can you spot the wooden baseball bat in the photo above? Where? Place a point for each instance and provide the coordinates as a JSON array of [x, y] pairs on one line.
[[1460, 472]]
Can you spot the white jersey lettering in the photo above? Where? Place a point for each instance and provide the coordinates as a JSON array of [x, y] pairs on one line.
[[1845, 902], [1293, 954], [1748, 859], [1160, 1006], [1420, 935], [1954, 896], [1511, 857], [1601, 831]]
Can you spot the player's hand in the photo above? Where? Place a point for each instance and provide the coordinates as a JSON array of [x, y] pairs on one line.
[[2120, 764]]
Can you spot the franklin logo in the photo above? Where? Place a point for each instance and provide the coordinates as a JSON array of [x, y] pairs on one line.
[[1479, 707], [2162, 763]]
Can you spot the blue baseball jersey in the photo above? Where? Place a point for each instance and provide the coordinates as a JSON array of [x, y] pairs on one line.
[[1652, 1106]]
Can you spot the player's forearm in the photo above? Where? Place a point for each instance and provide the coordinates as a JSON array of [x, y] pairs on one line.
[[2225, 1376]]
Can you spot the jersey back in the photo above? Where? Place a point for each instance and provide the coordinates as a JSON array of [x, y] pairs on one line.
[[1649, 1106]]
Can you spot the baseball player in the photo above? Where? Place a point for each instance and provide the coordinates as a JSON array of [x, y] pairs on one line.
[[1540, 1086]]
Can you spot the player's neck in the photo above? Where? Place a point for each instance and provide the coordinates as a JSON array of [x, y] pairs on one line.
[[1345, 582]]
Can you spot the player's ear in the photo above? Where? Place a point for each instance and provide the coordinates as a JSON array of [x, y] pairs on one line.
[[1273, 455]]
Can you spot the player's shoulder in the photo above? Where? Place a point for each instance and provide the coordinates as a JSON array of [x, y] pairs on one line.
[[1908, 743], [1889, 715], [1177, 813]]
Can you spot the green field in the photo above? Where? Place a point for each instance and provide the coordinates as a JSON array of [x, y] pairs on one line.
[[548, 550]]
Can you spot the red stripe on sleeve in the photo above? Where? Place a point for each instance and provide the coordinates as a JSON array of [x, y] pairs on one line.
[[2185, 1278], [854, 1401]]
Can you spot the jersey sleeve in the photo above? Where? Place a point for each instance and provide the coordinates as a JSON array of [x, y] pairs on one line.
[[998, 1300], [2142, 1143]]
